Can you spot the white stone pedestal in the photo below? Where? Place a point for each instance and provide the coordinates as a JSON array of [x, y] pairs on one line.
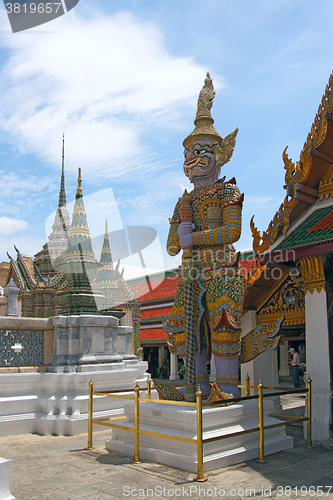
[[182, 421], [57, 403], [4, 480]]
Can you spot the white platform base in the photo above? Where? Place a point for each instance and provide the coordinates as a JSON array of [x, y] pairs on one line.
[[57, 403], [181, 421], [4, 480]]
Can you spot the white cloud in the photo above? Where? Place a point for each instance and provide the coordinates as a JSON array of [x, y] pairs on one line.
[[11, 226], [104, 81]]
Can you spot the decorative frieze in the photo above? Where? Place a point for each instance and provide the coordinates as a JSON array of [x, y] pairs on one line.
[[313, 276]]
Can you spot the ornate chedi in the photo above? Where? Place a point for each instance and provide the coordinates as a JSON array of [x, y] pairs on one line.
[[105, 286], [206, 316], [44, 288], [58, 239], [311, 177], [38, 278], [79, 262]]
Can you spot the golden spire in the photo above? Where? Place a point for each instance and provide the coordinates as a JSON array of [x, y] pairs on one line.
[[62, 193], [79, 182], [106, 228], [63, 151]]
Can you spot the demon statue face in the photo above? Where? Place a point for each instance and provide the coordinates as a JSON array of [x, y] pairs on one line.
[[201, 163]]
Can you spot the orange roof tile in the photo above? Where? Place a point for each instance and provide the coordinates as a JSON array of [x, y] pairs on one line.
[[163, 288], [247, 265], [158, 289], [325, 223], [152, 334], [155, 312]]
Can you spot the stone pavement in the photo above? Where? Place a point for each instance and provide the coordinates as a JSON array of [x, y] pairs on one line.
[[61, 468]]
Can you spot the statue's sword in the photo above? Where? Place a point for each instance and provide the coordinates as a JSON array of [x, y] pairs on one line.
[[189, 292]]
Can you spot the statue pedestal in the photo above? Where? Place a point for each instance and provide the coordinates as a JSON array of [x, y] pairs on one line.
[[4, 480], [181, 421]]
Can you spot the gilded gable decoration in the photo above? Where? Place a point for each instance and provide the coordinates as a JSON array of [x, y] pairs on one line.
[[287, 300], [312, 269], [325, 189]]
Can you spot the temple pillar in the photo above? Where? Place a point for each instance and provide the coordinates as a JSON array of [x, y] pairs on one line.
[[263, 367], [160, 356], [284, 366], [249, 321], [317, 362], [317, 345], [174, 375]]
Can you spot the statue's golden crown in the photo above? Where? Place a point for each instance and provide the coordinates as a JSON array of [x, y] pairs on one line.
[[204, 129]]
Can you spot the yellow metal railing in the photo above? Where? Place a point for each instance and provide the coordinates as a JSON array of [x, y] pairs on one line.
[[199, 440]]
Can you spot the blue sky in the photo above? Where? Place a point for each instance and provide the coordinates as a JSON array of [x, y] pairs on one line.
[[121, 79]]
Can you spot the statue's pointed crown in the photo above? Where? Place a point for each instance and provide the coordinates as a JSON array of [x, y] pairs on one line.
[[203, 122]]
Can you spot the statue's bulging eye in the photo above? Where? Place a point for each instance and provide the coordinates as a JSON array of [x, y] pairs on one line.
[[200, 152]]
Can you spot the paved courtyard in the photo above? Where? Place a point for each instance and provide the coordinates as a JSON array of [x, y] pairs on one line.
[[50, 467]]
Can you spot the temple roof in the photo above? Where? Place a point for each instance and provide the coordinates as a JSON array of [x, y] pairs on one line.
[[316, 228], [307, 181], [153, 335]]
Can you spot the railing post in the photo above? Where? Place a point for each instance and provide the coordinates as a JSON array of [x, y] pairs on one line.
[[148, 387], [309, 411], [200, 476], [136, 459], [247, 385], [90, 414], [261, 422]]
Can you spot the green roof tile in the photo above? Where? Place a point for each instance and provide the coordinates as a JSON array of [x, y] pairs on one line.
[[300, 235]]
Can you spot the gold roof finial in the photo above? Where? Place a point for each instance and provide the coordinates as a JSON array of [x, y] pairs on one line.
[[79, 182], [106, 227]]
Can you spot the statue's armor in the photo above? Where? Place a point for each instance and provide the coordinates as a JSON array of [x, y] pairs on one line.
[[218, 284]]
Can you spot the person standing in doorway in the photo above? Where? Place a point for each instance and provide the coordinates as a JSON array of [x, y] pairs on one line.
[[295, 366]]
